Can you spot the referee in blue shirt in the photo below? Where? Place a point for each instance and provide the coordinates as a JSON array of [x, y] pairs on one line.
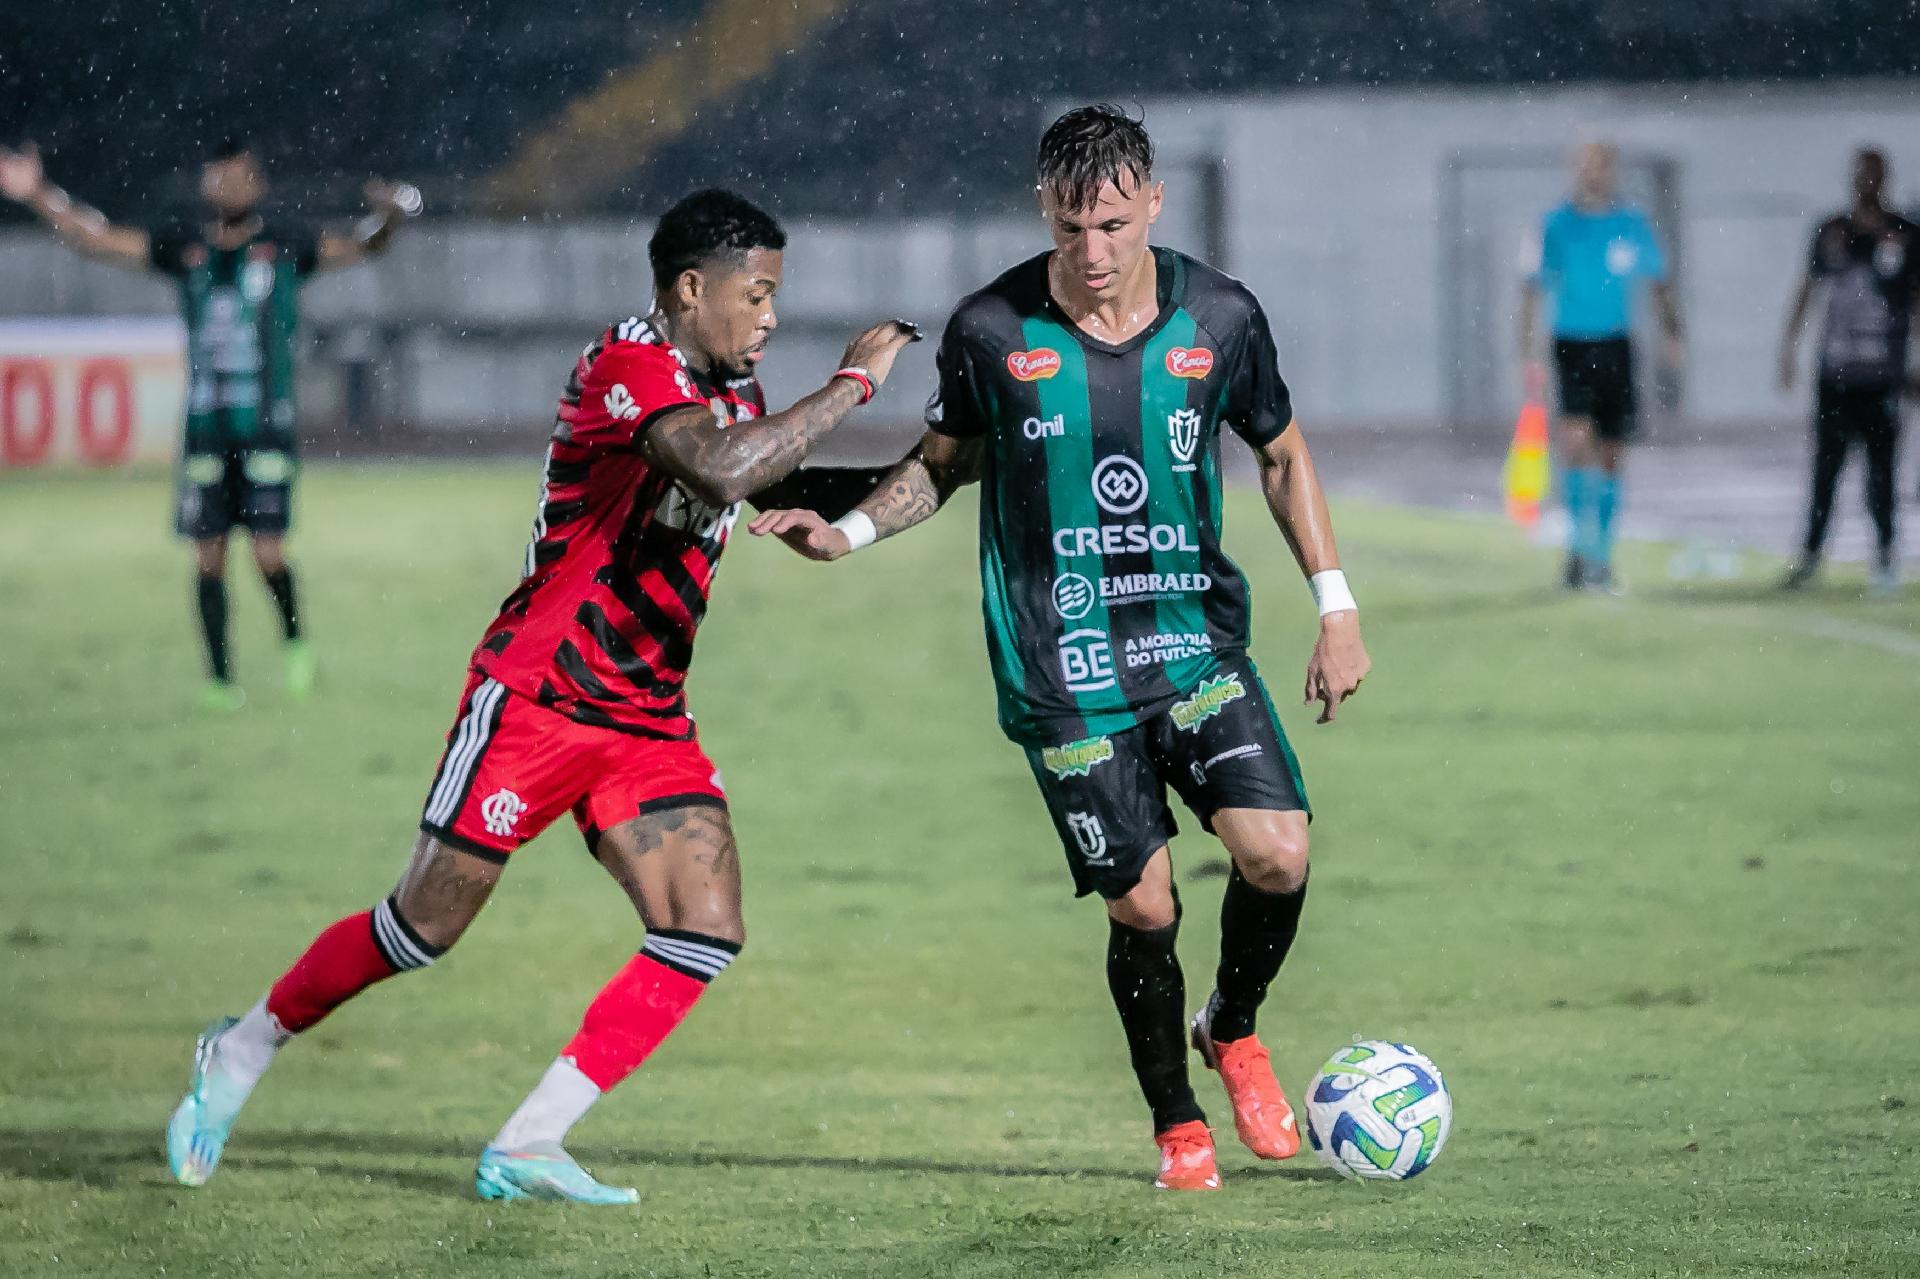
[[1593, 252]]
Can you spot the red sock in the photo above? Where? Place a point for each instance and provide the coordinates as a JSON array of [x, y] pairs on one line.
[[639, 1008], [344, 960]]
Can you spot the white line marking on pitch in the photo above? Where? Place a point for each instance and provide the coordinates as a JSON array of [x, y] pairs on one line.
[[1827, 626]]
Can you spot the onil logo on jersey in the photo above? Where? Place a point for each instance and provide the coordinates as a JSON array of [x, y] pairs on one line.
[[1035, 365], [1119, 485], [1086, 661], [1190, 362], [1183, 435], [1045, 428]]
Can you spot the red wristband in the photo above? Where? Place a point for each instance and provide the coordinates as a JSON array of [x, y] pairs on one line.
[[859, 375]]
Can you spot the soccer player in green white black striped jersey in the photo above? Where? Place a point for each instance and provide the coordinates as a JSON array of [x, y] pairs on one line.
[[239, 277], [1085, 390]]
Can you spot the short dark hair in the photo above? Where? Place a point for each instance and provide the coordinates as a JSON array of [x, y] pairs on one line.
[[707, 225], [231, 147], [1089, 147]]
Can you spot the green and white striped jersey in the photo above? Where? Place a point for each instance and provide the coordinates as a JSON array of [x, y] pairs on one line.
[[1106, 593]]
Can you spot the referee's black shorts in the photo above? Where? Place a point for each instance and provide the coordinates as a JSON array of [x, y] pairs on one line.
[[1596, 382]]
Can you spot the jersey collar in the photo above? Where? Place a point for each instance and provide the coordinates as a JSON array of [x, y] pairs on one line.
[[1170, 286]]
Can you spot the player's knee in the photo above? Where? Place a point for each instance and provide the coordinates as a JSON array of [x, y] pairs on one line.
[[1147, 907], [1276, 861]]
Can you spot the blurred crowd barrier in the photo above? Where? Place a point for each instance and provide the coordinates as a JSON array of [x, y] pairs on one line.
[[1384, 231]]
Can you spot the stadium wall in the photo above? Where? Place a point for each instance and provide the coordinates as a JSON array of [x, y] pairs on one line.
[[1383, 230]]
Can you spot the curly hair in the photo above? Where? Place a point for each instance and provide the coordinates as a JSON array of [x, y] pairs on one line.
[[708, 225]]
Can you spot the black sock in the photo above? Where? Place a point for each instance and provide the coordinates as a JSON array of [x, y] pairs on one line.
[[211, 594], [280, 582], [1144, 974], [1256, 932]]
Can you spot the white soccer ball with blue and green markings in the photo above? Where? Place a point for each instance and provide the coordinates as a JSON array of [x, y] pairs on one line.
[[1378, 1111]]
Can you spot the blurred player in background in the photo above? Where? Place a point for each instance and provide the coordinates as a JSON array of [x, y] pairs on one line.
[[1593, 251], [1086, 390], [239, 275], [575, 699], [1866, 264]]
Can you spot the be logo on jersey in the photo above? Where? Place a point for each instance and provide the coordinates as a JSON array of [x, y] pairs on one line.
[[1035, 365], [1190, 362]]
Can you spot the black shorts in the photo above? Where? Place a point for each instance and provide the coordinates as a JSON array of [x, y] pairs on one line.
[[252, 488], [1596, 382], [1221, 748]]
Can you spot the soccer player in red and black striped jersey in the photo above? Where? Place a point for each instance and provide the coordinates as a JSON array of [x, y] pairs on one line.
[[575, 700]]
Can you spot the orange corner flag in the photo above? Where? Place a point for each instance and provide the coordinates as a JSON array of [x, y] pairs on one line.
[[1524, 479]]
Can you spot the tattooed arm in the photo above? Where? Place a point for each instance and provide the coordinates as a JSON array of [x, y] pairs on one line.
[[937, 468], [723, 465]]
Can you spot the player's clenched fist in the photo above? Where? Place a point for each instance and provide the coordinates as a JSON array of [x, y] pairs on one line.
[[804, 531]]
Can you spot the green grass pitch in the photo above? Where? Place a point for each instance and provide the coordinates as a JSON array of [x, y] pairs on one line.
[[1640, 875]]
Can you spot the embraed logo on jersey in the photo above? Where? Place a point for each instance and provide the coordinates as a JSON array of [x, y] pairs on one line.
[[1077, 759], [1212, 698], [1035, 365], [1192, 362]]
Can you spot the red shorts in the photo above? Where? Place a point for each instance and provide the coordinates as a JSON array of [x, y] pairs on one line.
[[512, 767]]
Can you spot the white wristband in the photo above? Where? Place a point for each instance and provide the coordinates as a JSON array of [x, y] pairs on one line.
[[858, 526], [1331, 592]]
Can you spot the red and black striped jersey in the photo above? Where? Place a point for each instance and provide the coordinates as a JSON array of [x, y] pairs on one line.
[[622, 557]]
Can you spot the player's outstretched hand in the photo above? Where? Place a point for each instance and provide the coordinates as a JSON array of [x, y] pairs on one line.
[[1338, 664], [804, 531], [874, 350], [21, 176], [400, 197]]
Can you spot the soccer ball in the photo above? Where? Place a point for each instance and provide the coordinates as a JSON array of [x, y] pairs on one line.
[[1378, 1111]]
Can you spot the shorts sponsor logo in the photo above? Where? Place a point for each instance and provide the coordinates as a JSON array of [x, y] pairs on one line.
[[1166, 646], [1086, 661], [619, 403], [1119, 485], [205, 468], [1195, 362], [1183, 433], [1199, 769], [1091, 837], [1035, 365], [1045, 428], [1073, 596], [501, 811], [1213, 696], [1120, 539], [1077, 759]]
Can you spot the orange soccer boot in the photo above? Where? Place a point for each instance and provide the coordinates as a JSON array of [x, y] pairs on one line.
[[1186, 1158], [1261, 1115]]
